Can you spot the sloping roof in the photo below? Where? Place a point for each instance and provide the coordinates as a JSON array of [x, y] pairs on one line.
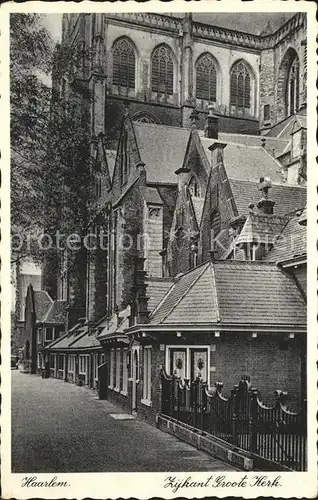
[[67, 340], [287, 198], [86, 341], [247, 162], [233, 292], [284, 128], [156, 289], [56, 313], [42, 304], [151, 195], [291, 243], [275, 145], [162, 149], [175, 294], [261, 228]]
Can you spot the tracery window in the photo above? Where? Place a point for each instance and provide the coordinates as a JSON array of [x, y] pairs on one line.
[[206, 78], [124, 62], [240, 86], [293, 87], [162, 71], [194, 187]]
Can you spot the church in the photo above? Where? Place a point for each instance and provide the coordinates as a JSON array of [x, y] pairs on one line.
[[198, 134]]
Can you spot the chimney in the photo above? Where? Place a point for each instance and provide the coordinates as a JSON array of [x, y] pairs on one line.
[[265, 204], [211, 129], [142, 173]]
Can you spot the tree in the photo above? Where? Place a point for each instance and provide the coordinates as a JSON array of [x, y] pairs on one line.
[[51, 162], [31, 49]]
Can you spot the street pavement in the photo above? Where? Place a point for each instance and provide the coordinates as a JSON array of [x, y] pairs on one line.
[[59, 427]]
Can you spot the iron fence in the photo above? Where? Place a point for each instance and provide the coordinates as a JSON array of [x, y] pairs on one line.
[[272, 432]]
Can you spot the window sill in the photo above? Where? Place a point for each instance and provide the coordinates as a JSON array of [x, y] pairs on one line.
[[146, 402]]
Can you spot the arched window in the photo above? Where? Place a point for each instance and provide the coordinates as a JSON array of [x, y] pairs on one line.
[[162, 71], [293, 87], [124, 61], [206, 79], [145, 117], [240, 87], [194, 187]]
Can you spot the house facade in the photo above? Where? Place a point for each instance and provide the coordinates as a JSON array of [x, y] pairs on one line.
[[199, 140]]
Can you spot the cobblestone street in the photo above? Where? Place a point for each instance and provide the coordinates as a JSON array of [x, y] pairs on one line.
[[59, 427]]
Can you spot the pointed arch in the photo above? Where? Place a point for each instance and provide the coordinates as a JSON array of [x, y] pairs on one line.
[[124, 64], [241, 87], [145, 117], [162, 70], [207, 70], [288, 83], [194, 187]]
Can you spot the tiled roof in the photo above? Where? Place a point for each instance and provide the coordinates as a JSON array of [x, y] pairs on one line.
[[42, 304], [86, 341], [162, 149], [291, 243], [56, 313], [284, 128], [67, 340], [275, 145], [233, 292], [261, 228], [175, 294], [156, 289], [287, 198], [247, 162]]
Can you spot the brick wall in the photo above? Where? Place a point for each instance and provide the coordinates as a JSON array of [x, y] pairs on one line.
[[264, 359]]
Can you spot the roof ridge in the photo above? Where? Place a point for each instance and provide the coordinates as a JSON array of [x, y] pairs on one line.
[[204, 266]]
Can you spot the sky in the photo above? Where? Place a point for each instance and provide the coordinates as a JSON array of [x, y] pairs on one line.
[[249, 22]]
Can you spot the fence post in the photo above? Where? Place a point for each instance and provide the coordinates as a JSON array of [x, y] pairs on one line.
[[234, 416], [171, 391], [178, 399], [253, 420]]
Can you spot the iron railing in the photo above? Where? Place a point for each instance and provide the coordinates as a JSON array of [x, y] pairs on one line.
[[272, 432]]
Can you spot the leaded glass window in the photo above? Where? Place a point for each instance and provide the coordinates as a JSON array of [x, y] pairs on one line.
[[162, 71], [293, 87], [206, 80], [124, 62], [240, 86]]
